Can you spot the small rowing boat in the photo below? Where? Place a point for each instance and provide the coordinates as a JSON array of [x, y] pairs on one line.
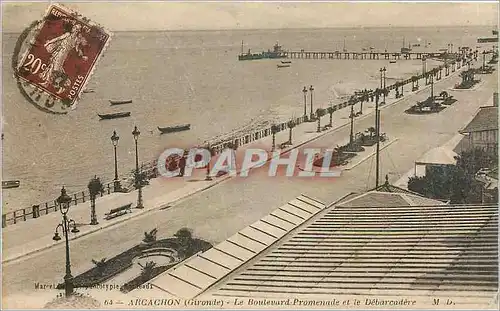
[[120, 102], [114, 115], [286, 61], [176, 128], [10, 184], [392, 62], [283, 66], [88, 91]]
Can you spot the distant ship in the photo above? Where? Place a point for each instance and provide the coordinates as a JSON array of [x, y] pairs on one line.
[[490, 39], [277, 52], [405, 49]]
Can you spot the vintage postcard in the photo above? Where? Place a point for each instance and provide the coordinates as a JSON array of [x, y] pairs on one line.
[[250, 155]]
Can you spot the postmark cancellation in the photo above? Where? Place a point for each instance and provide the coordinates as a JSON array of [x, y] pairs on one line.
[[56, 58]]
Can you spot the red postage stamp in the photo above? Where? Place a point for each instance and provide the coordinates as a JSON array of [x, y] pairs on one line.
[[60, 58]]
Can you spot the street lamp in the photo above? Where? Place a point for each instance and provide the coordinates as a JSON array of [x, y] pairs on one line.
[[311, 89], [209, 178], [351, 116], [138, 177], [382, 81], [64, 201], [305, 102], [116, 183]]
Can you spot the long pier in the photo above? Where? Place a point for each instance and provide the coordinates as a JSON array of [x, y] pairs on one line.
[[302, 54]]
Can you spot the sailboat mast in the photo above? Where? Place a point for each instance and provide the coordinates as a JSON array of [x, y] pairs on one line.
[[241, 47]]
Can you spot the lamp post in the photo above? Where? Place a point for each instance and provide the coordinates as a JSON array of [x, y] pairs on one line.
[[424, 65], [116, 183], [208, 177], [305, 102], [382, 81], [351, 116], [138, 176], [64, 201], [432, 86], [377, 133], [311, 89]]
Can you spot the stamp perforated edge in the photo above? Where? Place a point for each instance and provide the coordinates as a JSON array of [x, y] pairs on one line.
[[81, 18]]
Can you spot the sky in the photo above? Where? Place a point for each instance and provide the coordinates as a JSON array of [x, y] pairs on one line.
[[126, 16]]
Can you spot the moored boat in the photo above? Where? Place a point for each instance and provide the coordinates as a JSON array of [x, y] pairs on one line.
[[88, 91], [114, 115], [175, 128], [120, 102], [10, 184], [286, 61], [283, 66], [392, 62]]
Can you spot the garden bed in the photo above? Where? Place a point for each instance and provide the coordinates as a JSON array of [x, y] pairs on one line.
[[114, 266], [355, 147], [338, 159], [424, 110], [466, 85]]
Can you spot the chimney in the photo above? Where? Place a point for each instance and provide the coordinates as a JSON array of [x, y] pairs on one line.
[[495, 99]]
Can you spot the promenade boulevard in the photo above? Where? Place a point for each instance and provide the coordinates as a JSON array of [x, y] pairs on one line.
[[235, 203]]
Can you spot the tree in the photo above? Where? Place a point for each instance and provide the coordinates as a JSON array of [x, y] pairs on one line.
[[291, 124], [319, 113], [274, 130], [150, 237], [454, 182], [330, 111], [100, 265], [148, 270], [95, 187], [185, 239], [184, 236]]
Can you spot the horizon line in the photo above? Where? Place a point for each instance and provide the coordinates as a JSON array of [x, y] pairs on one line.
[[290, 28]]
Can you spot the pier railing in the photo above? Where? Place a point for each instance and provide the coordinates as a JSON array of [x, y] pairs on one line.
[[150, 168]]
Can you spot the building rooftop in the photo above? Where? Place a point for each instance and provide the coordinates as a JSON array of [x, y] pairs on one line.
[[375, 244], [485, 119], [439, 155], [377, 251]]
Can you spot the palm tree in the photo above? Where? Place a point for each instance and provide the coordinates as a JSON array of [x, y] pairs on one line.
[[147, 270], [330, 111], [397, 85], [291, 124], [95, 187], [150, 237], [274, 130], [100, 265], [372, 131], [414, 81], [319, 113]]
